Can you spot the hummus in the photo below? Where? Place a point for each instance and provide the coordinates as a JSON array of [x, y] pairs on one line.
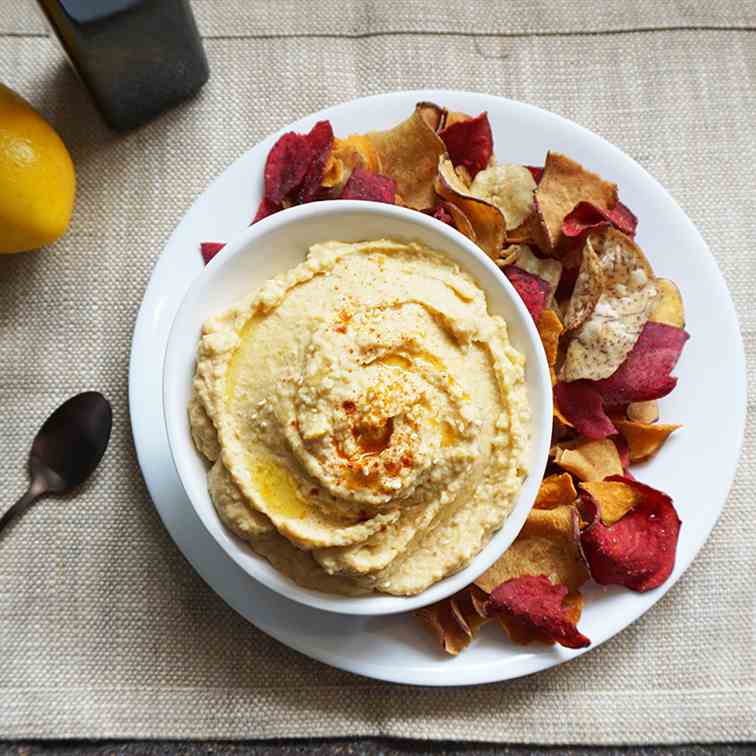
[[365, 417]]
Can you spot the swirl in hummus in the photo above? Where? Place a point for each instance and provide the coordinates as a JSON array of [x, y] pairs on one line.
[[365, 416]]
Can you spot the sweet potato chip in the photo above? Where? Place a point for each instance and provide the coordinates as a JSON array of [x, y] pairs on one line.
[[508, 186], [589, 460], [645, 374], [604, 340], [455, 621], [536, 604], [583, 406], [548, 544], [644, 439], [550, 329], [669, 307], [589, 284], [555, 491], [486, 219], [563, 185], [459, 220], [409, 154], [210, 249], [363, 185], [638, 551], [612, 499], [469, 143], [643, 412], [532, 290]]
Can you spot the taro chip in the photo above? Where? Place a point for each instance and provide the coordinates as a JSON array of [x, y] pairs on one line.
[[643, 412], [533, 290], [589, 460], [586, 216], [583, 406], [548, 544], [536, 605], [363, 185], [589, 283], [286, 166], [644, 439], [455, 621], [563, 185], [603, 341], [409, 154], [508, 186], [550, 329], [469, 143], [645, 374], [612, 499], [669, 307], [556, 491], [547, 269], [210, 249], [264, 209], [485, 218], [638, 551], [320, 139]]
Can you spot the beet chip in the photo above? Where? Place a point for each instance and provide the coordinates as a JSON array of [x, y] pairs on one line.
[[645, 373], [286, 166], [533, 290], [210, 249], [364, 185], [442, 214], [320, 139], [535, 172], [638, 551], [586, 216], [264, 209], [535, 603], [583, 406], [469, 143]]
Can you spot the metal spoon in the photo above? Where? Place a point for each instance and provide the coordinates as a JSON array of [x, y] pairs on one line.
[[67, 449]]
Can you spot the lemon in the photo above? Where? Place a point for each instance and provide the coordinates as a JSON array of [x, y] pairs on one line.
[[37, 179]]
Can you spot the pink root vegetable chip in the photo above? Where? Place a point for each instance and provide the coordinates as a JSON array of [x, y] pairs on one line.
[[264, 209], [210, 249], [583, 406], [364, 185], [320, 139], [586, 217], [533, 290], [535, 172], [638, 551], [535, 603], [469, 143], [645, 373], [623, 449], [286, 166], [442, 214]]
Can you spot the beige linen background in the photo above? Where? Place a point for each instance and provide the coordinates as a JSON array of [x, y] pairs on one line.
[[105, 630]]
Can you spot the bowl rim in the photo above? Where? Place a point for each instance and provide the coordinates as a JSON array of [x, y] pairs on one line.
[[372, 604]]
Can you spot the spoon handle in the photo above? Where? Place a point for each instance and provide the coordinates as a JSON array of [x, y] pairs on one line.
[[20, 506]]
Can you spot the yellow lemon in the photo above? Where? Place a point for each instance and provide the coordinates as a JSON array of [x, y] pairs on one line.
[[37, 179]]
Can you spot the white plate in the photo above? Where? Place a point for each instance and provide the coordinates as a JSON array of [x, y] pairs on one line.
[[710, 398]]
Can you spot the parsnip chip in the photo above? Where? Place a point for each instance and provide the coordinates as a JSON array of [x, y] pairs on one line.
[[644, 439], [548, 544], [485, 218], [563, 184], [604, 340], [508, 186], [588, 287], [589, 460], [669, 308], [556, 491], [643, 412], [409, 154], [548, 269], [612, 498], [455, 621]]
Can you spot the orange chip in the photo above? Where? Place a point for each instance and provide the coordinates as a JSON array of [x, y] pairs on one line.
[[644, 439], [556, 491], [589, 460], [573, 605], [409, 154], [557, 412], [548, 544], [643, 412], [455, 621], [550, 329], [613, 499], [563, 184]]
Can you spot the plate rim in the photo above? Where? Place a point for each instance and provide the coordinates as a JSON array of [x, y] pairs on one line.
[[472, 674]]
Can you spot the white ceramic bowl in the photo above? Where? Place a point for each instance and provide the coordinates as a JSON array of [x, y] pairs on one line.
[[278, 243]]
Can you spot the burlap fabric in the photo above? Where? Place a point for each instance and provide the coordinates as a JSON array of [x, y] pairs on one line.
[[105, 630]]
